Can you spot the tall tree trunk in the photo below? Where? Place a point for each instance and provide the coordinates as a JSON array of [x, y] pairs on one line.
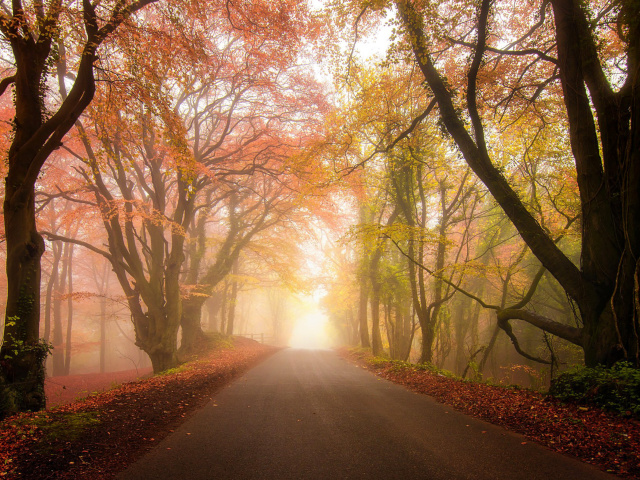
[[67, 349], [376, 335], [223, 307], [22, 374], [213, 307], [58, 337], [389, 327], [398, 331], [408, 333], [362, 315], [103, 334], [104, 288], [52, 285], [233, 300], [192, 334], [191, 322], [352, 321], [376, 288]]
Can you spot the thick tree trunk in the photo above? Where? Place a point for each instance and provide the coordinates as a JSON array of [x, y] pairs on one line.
[[23, 373], [602, 342], [426, 347], [156, 334], [163, 359], [192, 334]]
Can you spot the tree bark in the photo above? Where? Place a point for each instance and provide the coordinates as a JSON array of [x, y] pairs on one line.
[[192, 334], [67, 348], [376, 335], [362, 315], [52, 285], [376, 287], [213, 308], [233, 300], [103, 335], [58, 337]]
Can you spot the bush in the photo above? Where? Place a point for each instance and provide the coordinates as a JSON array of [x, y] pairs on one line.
[[616, 389]]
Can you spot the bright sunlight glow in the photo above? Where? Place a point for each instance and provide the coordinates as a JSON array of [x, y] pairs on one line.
[[310, 332]]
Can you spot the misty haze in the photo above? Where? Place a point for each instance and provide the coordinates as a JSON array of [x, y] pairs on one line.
[[320, 239]]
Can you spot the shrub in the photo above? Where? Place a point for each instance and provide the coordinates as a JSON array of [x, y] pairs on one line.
[[616, 389]]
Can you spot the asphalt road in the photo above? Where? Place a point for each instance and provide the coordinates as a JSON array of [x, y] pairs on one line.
[[305, 414]]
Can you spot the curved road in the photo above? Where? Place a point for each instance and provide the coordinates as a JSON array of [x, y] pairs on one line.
[[305, 414]]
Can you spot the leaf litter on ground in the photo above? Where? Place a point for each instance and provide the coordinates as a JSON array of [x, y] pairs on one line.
[[99, 436]]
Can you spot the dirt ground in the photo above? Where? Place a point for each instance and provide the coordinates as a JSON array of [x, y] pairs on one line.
[[67, 389]]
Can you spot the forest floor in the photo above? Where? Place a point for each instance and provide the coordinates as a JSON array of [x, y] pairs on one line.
[[606, 440], [70, 388], [100, 435]]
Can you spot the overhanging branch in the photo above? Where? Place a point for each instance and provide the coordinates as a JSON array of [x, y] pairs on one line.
[[567, 332], [4, 84]]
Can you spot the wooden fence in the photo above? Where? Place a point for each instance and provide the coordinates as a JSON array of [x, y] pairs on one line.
[[260, 337]]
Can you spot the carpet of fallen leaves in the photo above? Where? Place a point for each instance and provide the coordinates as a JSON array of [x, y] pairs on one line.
[[69, 388], [123, 423], [608, 441]]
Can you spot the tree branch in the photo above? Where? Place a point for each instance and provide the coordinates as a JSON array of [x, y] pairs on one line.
[[89, 246], [4, 84], [504, 325], [567, 332], [560, 266]]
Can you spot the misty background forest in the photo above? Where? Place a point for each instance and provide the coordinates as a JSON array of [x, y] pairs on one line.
[[450, 183]]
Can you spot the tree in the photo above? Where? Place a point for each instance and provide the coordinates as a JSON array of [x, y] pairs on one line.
[[452, 200], [196, 121], [576, 61], [31, 31]]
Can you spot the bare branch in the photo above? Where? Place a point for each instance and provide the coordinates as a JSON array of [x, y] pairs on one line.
[[93, 248], [504, 325], [567, 332]]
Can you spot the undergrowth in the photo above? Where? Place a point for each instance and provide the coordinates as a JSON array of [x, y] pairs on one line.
[[616, 389]]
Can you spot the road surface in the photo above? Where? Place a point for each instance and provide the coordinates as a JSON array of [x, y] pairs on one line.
[[308, 414]]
